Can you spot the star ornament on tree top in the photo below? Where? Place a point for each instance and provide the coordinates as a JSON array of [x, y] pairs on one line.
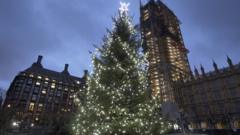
[[124, 7]]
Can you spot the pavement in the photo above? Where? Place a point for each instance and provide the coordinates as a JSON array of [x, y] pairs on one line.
[[186, 134]]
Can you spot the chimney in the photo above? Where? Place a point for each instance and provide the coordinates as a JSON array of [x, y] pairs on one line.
[[38, 63], [39, 60], [65, 71], [202, 70], [85, 74]]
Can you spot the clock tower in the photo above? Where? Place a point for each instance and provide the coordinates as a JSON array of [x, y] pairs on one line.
[[165, 49]]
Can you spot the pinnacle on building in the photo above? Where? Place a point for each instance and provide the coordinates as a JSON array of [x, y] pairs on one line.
[[165, 49]]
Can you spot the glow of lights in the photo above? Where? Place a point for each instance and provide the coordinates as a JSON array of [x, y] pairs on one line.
[[108, 107], [15, 124]]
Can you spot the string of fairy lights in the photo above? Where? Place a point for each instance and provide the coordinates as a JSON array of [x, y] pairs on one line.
[[120, 106]]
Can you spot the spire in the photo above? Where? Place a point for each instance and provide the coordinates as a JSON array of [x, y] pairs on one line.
[[140, 3], [151, 1], [202, 70], [196, 71], [1, 100], [65, 71], [191, 75], [215, 66], [229, 62], [38, 63], [159, 1]]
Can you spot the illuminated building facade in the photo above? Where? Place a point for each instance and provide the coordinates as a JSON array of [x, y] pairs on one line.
[[211, 100], [36, 93], [163, 43], [208, 100]]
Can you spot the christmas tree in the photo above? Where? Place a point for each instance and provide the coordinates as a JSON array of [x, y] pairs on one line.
[[118, 97]]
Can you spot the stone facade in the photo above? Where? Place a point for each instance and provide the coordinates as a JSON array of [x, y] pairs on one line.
[[211, 100], [38, 95]]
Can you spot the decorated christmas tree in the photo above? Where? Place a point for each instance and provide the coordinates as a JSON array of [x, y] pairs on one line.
[[117, 100]]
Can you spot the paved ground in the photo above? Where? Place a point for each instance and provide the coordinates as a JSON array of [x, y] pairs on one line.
[[187, 134]]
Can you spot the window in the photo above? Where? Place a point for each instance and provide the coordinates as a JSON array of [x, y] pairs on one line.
[[16, 95], [31, 106], [40, 107], [50, 99], [45, 84], [37, 119], [18, 88], [66, 89], [53, 85], [48, 107], [78, 82], [44, 91], [27, 88], [29, 81], [38, 83], [25, 96], [39, 77], [34, 97], [59, 93], [36, 90], [22, 105]]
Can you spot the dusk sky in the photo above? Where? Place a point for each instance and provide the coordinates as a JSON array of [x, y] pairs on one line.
[[64, 31]]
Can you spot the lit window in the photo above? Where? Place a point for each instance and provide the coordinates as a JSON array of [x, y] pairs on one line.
[[53, 85], [8, 105], [40, 107], [36, 118], [149, 33], [31, 106], [31, 75], [39, 77], [38, 83], [78, 82], [44, 92], [46, 79]]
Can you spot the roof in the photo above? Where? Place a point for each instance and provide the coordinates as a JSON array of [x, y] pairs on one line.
[[64, 76], [159, 3]]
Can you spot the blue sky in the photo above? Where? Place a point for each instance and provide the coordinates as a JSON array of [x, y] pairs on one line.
[[64, 31]]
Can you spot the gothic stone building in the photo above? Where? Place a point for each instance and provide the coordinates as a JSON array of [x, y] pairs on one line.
[[210, 100], [38, 93]]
